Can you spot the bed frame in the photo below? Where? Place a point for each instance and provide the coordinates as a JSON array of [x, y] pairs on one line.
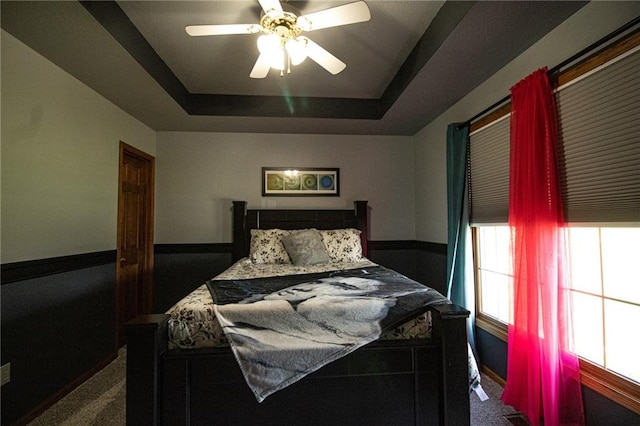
[[417, 382]]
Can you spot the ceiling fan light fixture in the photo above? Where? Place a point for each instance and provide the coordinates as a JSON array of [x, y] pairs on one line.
[[270, 46], [281, 43], [297, 50]]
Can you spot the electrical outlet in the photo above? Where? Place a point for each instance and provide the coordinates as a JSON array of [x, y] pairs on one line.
[[5, 374]]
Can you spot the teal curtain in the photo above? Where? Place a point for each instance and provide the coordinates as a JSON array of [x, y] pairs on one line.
[[460, 282]]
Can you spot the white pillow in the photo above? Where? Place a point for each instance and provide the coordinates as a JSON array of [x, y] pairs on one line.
[[343, 245], [266, 246]]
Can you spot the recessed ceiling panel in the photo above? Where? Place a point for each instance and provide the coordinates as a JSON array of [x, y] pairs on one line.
[[405, 66], [373, 51]]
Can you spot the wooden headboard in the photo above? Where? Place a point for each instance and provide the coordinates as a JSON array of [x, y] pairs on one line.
[[244, 220]]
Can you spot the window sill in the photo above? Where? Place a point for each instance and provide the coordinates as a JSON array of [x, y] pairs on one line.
[[493, 326], [608, 384]]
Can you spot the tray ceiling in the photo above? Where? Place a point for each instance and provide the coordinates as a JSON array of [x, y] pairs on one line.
[[407, 65]]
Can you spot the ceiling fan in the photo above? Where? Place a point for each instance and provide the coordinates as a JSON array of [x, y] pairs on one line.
[[281, 43]]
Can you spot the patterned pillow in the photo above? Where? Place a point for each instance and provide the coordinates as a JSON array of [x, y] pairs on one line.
[[343, 245], [266, 246], [305, 247]]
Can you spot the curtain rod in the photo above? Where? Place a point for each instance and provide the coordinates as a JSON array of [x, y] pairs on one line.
[[562, 64]]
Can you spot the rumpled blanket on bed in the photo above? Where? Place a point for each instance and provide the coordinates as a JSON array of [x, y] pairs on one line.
[[284, 328]]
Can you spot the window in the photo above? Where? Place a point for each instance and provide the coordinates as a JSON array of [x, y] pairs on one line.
[[495, 276], [604, 283], [598, 106]]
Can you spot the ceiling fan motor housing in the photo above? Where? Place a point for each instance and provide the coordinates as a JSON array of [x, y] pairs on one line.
[[284, 24]]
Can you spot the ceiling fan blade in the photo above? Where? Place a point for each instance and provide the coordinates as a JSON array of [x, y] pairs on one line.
[[261, 67], [325, 59], [268, 5], [340, 15], [207, 30]]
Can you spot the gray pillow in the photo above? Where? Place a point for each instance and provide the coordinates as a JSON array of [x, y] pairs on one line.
[[305, 247]]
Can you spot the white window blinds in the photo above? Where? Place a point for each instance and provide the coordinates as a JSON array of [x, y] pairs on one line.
[[599, 130], [599, 119], [489, 168]]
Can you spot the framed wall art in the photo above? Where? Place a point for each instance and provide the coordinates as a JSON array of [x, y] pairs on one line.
[[304, 181]]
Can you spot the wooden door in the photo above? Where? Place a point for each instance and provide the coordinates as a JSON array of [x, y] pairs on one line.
[[134, 270]]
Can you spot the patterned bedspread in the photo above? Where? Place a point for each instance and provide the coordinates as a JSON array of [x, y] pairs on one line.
[[193, 323], [284, 328]]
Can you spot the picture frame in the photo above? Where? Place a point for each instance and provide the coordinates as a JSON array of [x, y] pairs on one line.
[[300, 181]]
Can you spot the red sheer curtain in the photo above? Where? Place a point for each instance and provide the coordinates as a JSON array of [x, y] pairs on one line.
[[543, 378]]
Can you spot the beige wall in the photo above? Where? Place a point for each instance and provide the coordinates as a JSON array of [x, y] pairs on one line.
[[199, 174], [588, 25], [60, 144]]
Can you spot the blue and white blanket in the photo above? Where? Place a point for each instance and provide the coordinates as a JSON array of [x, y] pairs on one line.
[[284, 328]]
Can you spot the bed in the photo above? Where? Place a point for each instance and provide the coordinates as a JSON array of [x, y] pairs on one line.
[[176, 380]]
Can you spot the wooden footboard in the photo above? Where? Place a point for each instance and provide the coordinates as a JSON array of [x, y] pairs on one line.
[[450, 331], [146, 343], [418, 382]]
